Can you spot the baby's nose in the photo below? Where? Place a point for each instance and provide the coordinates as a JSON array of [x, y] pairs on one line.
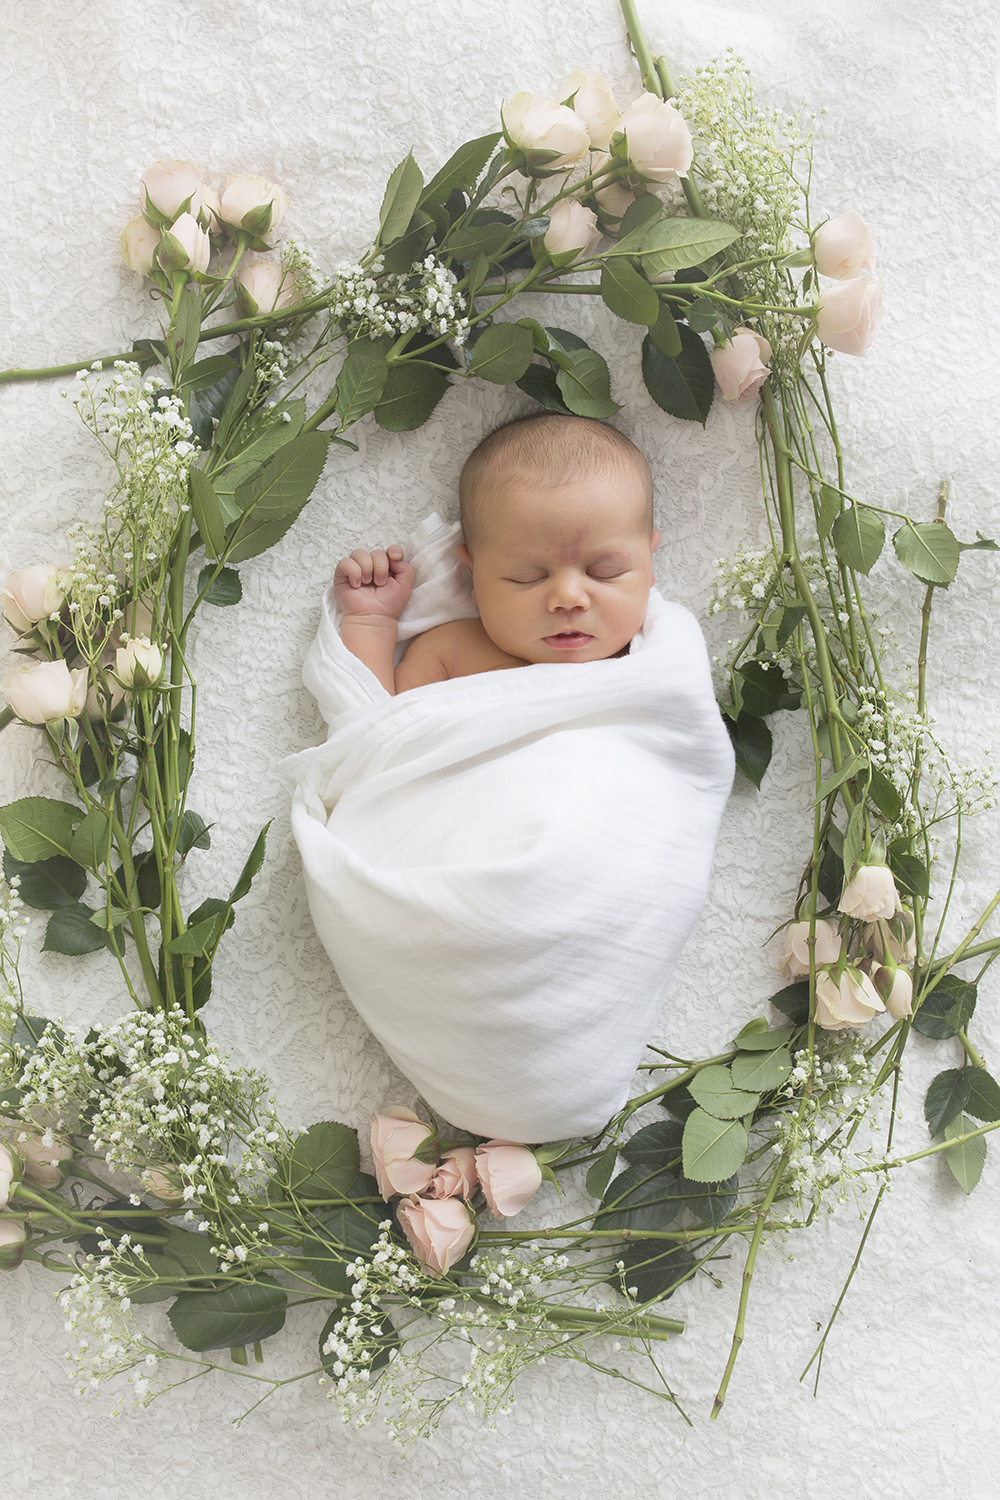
[[568, 591]]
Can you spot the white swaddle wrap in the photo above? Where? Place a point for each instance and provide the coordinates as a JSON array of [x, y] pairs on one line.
[[505, 867]]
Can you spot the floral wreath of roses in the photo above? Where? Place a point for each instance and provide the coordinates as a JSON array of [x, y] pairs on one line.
[[687, 213]]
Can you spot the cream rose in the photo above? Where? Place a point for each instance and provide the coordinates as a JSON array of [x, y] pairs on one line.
[[900, 938], [185, 246], [43, 1163], [851, 1001], [848, 315], [12, 1239], [896, 988], [844, 246], [43, 691], [509, 1174], [572, 233], [587, 94], [139, 664], [871, 896], [657, 139], [265, 287], [794, 960], [740, 365], [10, 1173], [253, 204], [550, 135], [32, 594], [169, 185], [139, 242]]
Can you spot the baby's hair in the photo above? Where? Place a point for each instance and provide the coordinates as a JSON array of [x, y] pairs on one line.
[[546, 448]]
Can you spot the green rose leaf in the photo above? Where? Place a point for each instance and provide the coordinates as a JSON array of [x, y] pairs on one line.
[[639, 1198], [929, 550], [221, 590], [761, 1071], [479, 239], [764, 1040], [702, 314], [361, 381], [966, 1159], [36, 828], [911, 874], [683, 386], [713, 1089], [946, 1098], [410, 247], [665, 333], [711, 1207], [70, 930], [254, 861], [646, 209], [503, 353], [402, 194], [193, 833], [858, 537], [602, 1171], [340, 1236], [286, 481], [793, 1002], [675, 244], [49, 884], [752, 742], [654, 1273], [196, 939], [207, 372], [884, 795], [539, 382], [411, 393], [91, 845], [461, 170], [765, 689], [170, 1281], [207, 515], [584, 382], [829, 507], [241, 1313], [657, 1145], [984, 1095], [713, 1149], [29, 1030], [628, 294], [322, 1163]]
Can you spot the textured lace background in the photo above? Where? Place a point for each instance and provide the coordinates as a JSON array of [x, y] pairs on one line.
[[326, 99]]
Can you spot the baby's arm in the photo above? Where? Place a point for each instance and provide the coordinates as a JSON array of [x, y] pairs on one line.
[[372, 589]]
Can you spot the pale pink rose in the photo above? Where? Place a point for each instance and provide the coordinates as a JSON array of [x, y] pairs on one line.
[[43, 691], [167, 1189], [265, 287], [844, 246], [139, 242], [613, 198], [509, 1174], [550, 135], [42, 1163], [658, 139], [849, 314], [247, 194], [589, 96], [741, 365], [900, 936], [794, 961], [573, 231], [456, 1175], [195, 245], [10, 1173], [851, 1002], [169, 184], [32, 594], [394, 1138], [439, 1229], [871, 896], [896, 988], [12, 1238]]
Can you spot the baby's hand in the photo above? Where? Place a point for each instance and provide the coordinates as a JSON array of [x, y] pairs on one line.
[[373, 583]]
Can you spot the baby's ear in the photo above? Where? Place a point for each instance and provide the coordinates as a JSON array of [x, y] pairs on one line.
[[464, 555], [654, 540]]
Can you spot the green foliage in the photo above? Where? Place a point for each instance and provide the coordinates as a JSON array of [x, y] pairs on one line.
[[240, 1313], [584, 383], [340, 1235], [402, 194], [858, 537], [665, 333], [49, 883], [222, 586], [911, 874], [322, 1163], [946, 1098], [361, 381], [752, 743], [36, 828], [713, 1089], [502, 353], [411, 393], [461, 170], [654, 1272], [947, 1009], [762, 1071], [984, 1094], [793, 1002], [764, 689], [285, 482], [91, 845], [713, 1149], [929, 550], [658, 1144], [641, 1197], [675, 244], [628, 294], [601, 1171], [966, 1158], [683, 386], [207, 515], [70, 930], [758, 1037]]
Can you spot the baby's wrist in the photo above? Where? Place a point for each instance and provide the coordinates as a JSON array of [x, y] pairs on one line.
[[375, 623]]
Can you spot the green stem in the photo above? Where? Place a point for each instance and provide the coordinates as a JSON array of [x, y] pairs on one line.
[[651, 80]]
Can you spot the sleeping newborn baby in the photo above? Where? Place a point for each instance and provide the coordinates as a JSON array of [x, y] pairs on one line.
[[557, 515], [504, 865]]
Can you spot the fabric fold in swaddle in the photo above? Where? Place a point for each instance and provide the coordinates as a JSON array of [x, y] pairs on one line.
[[504, 868]]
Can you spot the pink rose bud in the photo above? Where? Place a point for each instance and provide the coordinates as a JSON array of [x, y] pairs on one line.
[[12, 1237], [573, 232], [170, 186], [900, 938], [843, 247], [848, 315], [794, 961], [871, 896], [185, 246], [395, 1136], [657, 139], [32, 594], [588, 95], [43, 1157], [548, 134], [456, 1175], [11, 1169], [253, 204], [45, 691], [740, 368], [264, 286], [439, 1229], [896, 988], [852, 1001], [140, 242], [510, 1176]]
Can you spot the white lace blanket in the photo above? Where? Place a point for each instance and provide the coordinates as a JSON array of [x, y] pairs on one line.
[[505, 867]]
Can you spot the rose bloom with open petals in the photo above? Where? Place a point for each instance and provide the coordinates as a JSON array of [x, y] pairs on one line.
[[394, 1138], [45, 691], [32, 594], [439, 1229], [849, 315], [871, 896], [550, 135], [456, 1175], [658, 139], [740, 365], [509, 1174], [169, 184], [139, 242], [844, 246], [850, 1001], [573, 232], [794, 961], [589, 96]]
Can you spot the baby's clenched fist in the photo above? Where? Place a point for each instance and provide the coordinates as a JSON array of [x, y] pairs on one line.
[[373, 583]]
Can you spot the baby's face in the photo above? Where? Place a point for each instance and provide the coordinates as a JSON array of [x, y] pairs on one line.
[[564, 573]]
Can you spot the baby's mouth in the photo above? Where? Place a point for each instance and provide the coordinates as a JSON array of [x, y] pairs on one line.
[[568, 640]]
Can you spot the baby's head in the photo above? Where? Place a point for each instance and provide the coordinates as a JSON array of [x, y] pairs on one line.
[[557, 514]]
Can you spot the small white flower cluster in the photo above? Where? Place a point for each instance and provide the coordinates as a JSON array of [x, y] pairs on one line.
[[14, 924], [108, 1341], [272, 364], [370, 302], [298, 261], [142, 426]]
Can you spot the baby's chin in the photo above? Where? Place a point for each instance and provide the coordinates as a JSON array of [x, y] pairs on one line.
[[593, 650]]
